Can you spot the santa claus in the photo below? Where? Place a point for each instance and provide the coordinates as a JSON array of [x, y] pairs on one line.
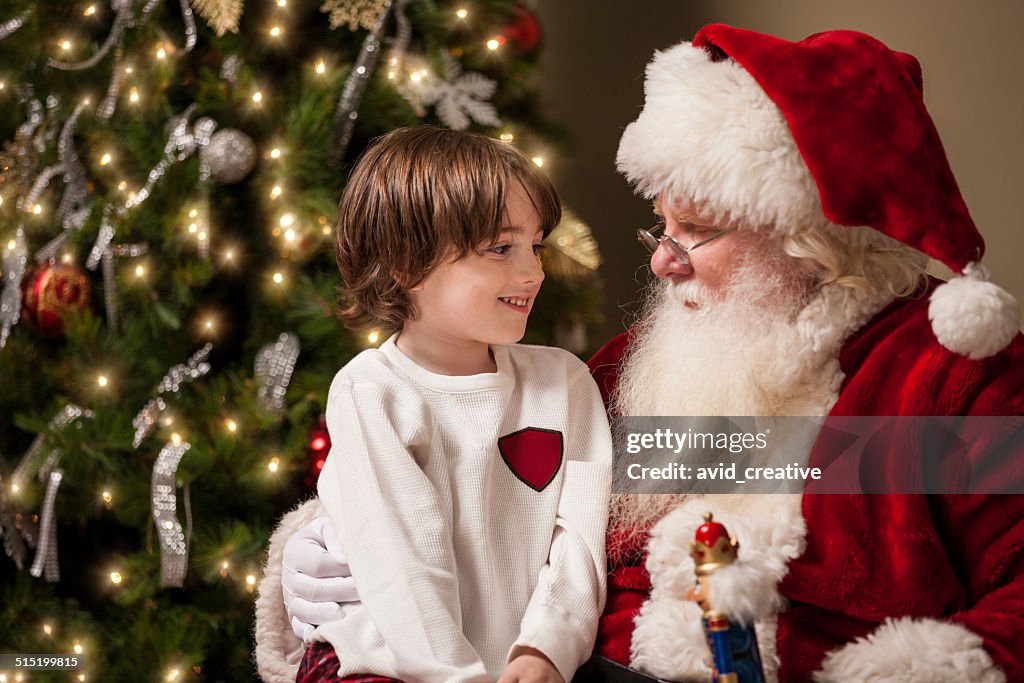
[[799, 190]]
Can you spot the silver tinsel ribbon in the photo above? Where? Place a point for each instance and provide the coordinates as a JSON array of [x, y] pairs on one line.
[[124, 19], [103, 238], [46, 563], [14, 261], [195, 368], [203, 132], [109, 281], [403, 34], [274, 366], [35, 117], [181, 143], [109, 102], [12, 25], [29, 461], [347, 112], [146, 419], [72, 210], [27, 145], [173, 542], [74, 207]]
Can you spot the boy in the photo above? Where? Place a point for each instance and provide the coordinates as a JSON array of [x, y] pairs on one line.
[[468, 478]]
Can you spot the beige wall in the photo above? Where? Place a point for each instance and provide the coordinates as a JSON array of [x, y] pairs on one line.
[[974, 88]]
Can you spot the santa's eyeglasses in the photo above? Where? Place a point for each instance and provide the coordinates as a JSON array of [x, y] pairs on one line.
[[682, 254]]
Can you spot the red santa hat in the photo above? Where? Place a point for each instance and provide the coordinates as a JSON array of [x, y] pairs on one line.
[[790, 137]]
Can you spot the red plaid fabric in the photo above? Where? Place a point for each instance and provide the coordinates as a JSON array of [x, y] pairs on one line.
[[320, 665]]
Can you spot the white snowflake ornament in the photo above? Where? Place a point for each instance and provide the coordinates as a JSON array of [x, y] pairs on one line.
[[458, 98]]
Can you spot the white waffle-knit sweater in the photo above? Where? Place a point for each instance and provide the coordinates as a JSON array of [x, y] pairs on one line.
[[458, 559]]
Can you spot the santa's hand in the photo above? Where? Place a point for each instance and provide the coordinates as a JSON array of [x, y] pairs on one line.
[[315, 577]]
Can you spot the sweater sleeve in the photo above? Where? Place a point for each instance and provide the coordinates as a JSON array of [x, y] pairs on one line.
[[396, 527], [561, 618]]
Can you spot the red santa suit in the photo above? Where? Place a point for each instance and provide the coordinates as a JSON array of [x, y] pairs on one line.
[[929, 580], [829, 137]]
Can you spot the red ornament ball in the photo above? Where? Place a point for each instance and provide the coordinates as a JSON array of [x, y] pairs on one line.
[[319, 447], [51, 291], [523, 32]]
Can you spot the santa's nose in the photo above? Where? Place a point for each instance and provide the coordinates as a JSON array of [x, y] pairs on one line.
[[665, 263]]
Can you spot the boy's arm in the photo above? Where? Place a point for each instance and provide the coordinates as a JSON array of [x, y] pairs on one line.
[[395, 526], [561, 619]]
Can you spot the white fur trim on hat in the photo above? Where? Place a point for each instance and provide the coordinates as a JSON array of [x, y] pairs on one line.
[[973, 317], [912, 650], [668, 639], [708, 133], [278, 651]]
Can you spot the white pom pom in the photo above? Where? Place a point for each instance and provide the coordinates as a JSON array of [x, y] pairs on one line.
[[972, 316]]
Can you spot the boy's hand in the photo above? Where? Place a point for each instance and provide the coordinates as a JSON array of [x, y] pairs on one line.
[[530, 666]]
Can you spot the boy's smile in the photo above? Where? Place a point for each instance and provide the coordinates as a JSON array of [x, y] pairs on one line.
[[518, 303]]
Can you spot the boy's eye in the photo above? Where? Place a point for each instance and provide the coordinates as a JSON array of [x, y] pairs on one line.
[[500, 249]]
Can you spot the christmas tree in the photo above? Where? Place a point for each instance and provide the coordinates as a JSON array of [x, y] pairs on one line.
[[168, 185]]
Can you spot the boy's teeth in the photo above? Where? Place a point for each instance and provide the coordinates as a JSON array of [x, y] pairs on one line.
[[514, 301]]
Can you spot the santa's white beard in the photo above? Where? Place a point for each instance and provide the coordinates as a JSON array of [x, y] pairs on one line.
[[741, 353]]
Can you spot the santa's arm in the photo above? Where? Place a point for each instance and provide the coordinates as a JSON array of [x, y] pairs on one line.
[[984, 535], [981, 644]]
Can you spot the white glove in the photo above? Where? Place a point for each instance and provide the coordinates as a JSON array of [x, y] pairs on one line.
[[315, 577]]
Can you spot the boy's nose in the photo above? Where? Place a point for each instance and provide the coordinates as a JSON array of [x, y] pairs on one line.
[[530, 270]]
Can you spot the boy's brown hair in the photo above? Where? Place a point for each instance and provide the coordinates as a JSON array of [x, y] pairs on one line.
[[419, 197]]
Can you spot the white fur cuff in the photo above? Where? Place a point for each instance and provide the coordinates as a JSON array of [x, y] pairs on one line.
[[278, 650], [910, 649], [668, 639]]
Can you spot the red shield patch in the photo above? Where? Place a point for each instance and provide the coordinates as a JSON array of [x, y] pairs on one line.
[[533, 454]]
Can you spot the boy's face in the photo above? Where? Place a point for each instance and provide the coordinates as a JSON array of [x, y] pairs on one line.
[[486, 297]]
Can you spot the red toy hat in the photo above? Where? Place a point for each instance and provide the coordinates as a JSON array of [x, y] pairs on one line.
[[790, 137], [712, 548]]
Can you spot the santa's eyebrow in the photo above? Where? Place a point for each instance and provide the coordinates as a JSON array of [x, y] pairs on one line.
[[687, 218], [682, 216]]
